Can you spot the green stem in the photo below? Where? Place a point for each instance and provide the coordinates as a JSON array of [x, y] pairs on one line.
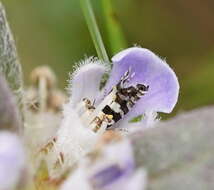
[[94, 30], [115, 34]]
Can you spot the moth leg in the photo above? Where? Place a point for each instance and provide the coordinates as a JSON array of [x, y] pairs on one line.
[[84, 106], [85, 109], [96, 123]]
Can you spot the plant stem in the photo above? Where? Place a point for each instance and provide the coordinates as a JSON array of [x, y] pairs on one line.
[[94, 30], [115, 34]]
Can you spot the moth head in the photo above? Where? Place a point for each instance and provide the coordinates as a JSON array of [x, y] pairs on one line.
[[142, 88]]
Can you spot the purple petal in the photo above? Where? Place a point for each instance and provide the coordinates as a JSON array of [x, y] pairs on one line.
[[121, 166], [150, 70], [12, 160], [85, 82], [106, 176]]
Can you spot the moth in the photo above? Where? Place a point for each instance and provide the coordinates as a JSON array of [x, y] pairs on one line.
[[115, 105], [118, 102]]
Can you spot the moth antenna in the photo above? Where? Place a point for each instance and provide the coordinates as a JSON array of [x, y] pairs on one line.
[[93, 103], [125, 78]]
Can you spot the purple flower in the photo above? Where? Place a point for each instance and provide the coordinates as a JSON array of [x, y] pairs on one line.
[[109, 175], [112, 170], [12, 160], [144, 68], [140, 83]]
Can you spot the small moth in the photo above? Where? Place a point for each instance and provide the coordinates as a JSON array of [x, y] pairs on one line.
[[116, 104], [119, 101]]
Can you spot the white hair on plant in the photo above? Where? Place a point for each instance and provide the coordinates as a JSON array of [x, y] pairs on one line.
[[74, 139], [83, 66]]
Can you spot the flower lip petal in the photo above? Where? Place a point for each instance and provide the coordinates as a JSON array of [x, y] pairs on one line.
[[114, 166], [107, 176], [149, 70]]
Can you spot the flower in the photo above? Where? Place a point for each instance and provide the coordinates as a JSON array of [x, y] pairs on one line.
[[109, 170], [146, 68], [140, 83], [12, 160]]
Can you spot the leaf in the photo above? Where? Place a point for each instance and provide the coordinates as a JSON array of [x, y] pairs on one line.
[[178, 154], [9, 63]]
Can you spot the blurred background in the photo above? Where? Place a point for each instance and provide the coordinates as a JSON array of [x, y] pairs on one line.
[[54, 32]]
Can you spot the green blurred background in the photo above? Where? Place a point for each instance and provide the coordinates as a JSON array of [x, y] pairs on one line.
[[54, 32]]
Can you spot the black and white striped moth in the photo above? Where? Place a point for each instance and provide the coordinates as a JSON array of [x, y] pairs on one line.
[[116, 104]]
